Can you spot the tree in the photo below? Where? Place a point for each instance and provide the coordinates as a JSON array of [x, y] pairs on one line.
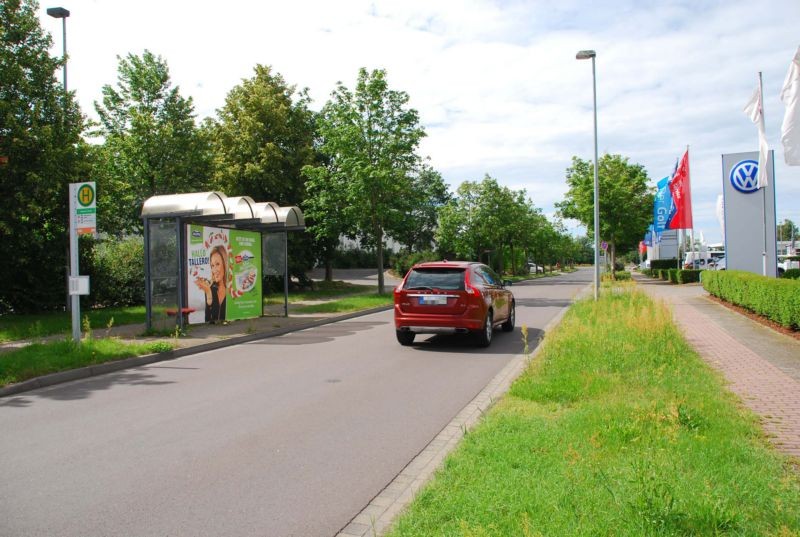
[[151, 143], [42, 152], [483, 219], [262, 138], [787, 231], [370, 137], [429, 192], [626, 200]]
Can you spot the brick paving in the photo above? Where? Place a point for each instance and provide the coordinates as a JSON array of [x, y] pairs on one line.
[[762, 386]]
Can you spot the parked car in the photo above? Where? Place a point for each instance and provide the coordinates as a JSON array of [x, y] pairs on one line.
[[452, 297], [533, 268], [717, 264]]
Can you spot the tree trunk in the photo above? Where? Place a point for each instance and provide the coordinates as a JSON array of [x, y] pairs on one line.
[[379, 235], [328, 268], [513, 261]]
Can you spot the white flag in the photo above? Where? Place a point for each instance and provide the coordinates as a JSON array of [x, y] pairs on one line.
[[755, 112], [790, 96], [721, 214]]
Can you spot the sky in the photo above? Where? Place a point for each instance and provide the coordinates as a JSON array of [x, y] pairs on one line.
[[496, 83]]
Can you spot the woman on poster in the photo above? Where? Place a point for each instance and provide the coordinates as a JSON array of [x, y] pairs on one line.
[[215, 290]]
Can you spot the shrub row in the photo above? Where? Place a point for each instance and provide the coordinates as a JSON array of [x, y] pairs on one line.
[[657, 264], [674, 275], [404, 261], [775, 299], [791, 274]]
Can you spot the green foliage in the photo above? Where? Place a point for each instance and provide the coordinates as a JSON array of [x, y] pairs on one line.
[[791, 274], [40, 135], [688, 275], [617, 428], [626, 200], [369, 139], [116, 269], [353, 303], [262, 138], [775, 299], [151, 143], [404, 261], [672, 275], [43, 358], [354, 258], [663, 263], [620, 276]]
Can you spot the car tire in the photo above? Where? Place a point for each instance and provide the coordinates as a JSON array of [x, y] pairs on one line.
[[485, 335], [405, 337], [508, 326]]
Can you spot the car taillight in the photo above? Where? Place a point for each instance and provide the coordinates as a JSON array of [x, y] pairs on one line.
[[469, 288]]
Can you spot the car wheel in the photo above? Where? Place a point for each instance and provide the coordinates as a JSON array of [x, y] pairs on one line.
[[485, 335], [508, 326], [404, 337]]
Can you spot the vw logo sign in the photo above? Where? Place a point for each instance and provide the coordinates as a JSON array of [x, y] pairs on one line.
[[744, 176]]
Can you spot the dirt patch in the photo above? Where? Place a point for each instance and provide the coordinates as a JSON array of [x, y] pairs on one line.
[[758, 318]]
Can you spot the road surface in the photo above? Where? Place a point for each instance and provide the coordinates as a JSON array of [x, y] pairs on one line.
[[288, 436]]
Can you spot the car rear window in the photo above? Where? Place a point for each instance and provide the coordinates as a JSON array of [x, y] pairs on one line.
[[436, 278]]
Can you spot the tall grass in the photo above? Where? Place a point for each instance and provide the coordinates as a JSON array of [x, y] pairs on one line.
[[617, 429]]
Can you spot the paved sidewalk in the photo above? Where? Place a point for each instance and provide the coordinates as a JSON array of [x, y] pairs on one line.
[[762, 366]]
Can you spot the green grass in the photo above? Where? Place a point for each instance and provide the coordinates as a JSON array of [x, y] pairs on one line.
[[617, 428], [344, 305], [16, 327], [43, 358], [322, 291]]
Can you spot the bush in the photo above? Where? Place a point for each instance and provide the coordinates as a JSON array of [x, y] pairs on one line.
[[775, 299], [672, 275], [116, 269], [791, 274], [357, 258], [688, 275], [404, 261], [620, 275], [663, 264]]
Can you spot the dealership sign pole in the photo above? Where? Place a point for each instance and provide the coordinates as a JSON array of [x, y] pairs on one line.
[[82, 221]]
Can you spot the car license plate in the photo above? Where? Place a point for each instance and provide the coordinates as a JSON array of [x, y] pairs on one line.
[[433, 300]]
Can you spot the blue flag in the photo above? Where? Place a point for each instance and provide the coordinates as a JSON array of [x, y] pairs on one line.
[[663, 207]]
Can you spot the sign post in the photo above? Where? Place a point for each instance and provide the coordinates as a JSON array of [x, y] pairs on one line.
[[82, 221]]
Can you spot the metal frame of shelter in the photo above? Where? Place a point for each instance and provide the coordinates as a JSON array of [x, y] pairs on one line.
[[167, 216]]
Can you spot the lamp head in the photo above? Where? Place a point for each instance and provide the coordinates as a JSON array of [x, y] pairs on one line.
[[585, 55], [58, 12]]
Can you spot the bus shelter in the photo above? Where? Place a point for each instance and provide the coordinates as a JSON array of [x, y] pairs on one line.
[[206, 255]]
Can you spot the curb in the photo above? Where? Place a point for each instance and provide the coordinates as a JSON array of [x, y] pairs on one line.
[[139, 361]]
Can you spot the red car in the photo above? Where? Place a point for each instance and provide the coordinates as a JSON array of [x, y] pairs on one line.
[[452, 297]]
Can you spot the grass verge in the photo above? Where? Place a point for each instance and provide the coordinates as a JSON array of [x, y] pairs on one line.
[[322, 291], [43, 358], [16, 327], [348, 304], [618, 428]]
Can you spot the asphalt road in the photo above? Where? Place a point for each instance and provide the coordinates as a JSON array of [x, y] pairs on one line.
[[289, 436]]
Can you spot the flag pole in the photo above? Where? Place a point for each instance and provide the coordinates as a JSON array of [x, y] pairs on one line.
[[763, 190], [691, 229]]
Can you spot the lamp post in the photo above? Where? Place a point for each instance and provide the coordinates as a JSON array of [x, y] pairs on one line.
[[61, 13], [73, 299], [585, 55]]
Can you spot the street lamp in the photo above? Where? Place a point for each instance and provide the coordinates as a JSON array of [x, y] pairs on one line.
[[585, 55], [61, 13]]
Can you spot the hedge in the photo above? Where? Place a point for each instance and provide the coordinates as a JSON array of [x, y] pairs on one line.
[[791, 274], [775, 299], [689, 275], [663, 263]]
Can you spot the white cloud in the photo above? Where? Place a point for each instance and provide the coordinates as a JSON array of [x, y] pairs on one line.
[[496, 82]]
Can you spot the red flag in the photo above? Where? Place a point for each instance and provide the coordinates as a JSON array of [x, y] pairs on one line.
[[681, 195], [642, 247]]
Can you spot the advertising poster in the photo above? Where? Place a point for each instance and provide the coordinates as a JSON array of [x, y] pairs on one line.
[[223, 274]]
